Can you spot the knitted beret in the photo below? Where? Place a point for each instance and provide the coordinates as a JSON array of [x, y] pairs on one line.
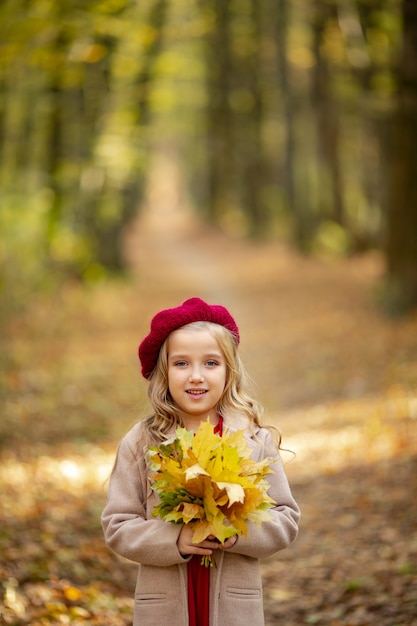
[[164, 322]]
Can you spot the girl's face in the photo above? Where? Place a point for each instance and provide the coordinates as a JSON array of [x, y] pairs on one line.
[[196, 375]]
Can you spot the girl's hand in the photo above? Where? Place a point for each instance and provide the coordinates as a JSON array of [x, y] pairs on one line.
[[228, 543], [206, 547], [187, 547]]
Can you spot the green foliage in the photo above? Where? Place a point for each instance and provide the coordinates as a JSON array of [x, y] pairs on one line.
[[22, 260], [332, 240], [66, 173], [277, 112]]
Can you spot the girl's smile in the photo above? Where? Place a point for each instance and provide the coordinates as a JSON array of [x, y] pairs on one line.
[[196, 374]]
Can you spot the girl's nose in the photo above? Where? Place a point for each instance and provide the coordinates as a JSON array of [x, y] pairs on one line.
[[196, 376]]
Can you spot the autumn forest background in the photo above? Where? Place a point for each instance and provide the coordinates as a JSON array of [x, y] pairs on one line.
[[261, 154]]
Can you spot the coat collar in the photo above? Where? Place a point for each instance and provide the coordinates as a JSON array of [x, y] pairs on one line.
[[239, 421]]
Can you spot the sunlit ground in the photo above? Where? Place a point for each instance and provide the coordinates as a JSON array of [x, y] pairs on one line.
[[329, 438], [27, 482], [55, 565]]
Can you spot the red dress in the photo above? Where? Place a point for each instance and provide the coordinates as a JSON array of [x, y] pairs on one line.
[[199, 580]]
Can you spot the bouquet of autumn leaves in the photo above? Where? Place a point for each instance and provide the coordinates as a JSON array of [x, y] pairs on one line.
[[210, 482]]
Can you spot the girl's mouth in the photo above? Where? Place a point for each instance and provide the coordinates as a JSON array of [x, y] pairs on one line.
[[196, 392]]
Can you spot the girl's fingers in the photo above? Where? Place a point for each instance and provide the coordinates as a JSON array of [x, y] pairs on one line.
[[186, 545], [206, 547], [228, 543]]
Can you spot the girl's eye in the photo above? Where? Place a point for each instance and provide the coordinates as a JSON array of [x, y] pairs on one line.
[[180, 363], [211, 363]]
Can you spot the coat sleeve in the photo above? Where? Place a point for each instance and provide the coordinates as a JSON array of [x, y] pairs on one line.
[[277, 534], [127, 530]]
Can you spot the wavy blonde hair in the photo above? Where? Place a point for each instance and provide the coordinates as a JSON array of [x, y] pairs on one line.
[[234, 400]]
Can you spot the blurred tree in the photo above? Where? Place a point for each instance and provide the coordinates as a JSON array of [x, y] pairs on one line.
[[219, 121], [67, 191], [249, 111], [328, 117], [401, 236], [112, 209], [280, 22], [280, 108], [238, 169]]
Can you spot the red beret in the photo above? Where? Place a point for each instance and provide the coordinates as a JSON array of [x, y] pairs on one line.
[[164, 322]]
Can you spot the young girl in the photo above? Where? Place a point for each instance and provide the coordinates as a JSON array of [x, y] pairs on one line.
[[191, 361]]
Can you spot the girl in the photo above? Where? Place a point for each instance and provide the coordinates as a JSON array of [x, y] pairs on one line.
[[191, 361]]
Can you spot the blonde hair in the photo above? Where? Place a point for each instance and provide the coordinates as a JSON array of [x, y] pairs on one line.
[[234, 400]]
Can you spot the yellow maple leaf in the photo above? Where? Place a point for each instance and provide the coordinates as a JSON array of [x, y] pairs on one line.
[[205, 443], [194, 471], [191, 512], [235, 492], [201, 531], [185, 438]]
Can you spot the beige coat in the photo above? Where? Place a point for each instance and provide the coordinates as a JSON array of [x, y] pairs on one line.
[[161, 590]]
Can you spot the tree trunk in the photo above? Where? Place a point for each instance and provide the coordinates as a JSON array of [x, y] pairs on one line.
[[221, 175], [249, 118], [108, 233], [401, 244], [327, 120], [293, 206]]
